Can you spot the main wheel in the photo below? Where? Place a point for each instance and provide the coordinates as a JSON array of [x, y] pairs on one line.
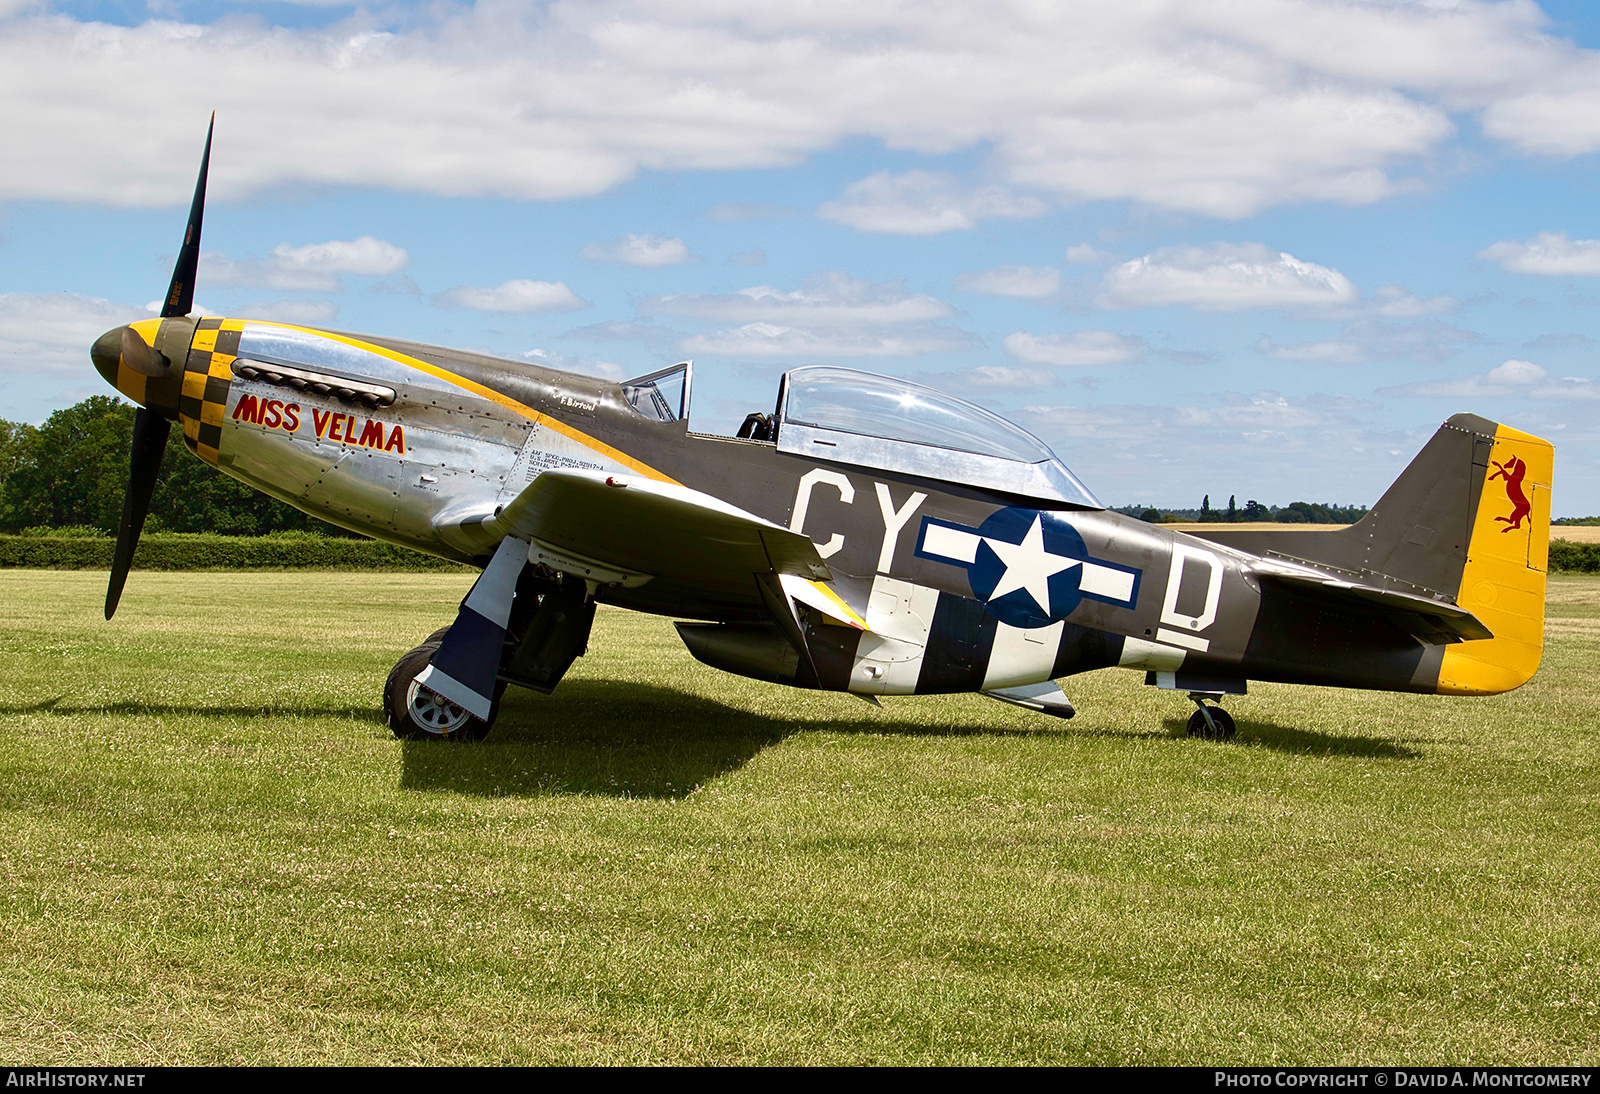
[[1219, 717], [415, 713]]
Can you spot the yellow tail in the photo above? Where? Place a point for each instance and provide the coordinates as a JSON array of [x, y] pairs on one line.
[[1507, 556]]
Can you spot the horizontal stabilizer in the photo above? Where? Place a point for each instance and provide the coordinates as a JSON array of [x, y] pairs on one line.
[[1429, 620]]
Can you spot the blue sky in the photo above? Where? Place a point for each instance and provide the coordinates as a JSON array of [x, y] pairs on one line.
[[1259, 248]]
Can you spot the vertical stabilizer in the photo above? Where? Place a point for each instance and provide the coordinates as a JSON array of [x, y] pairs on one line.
[[1467, 521], [1503, 580]]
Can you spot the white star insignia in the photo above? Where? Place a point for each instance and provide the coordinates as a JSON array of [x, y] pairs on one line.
[[1028, 566]]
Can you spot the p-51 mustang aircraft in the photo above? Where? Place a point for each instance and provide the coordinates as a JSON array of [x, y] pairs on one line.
[[870, 536]]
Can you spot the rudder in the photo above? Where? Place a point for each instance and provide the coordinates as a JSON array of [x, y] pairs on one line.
[[1503, 580]]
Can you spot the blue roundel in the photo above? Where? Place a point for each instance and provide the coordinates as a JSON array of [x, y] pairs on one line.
[[1018, 606]]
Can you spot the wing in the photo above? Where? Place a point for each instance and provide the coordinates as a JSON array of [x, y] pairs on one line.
[[635, 530], [687, 547]]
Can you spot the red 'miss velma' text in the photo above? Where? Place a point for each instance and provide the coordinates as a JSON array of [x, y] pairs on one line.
[[329, 424]]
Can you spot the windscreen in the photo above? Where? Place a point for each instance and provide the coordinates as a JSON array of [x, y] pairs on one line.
[[660, 396]]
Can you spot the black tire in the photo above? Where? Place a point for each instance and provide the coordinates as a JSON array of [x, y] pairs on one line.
[[1223, 720], [441, 722], [436, 637]]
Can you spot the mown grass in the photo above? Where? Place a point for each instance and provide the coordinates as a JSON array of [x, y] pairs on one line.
[[214, 852]]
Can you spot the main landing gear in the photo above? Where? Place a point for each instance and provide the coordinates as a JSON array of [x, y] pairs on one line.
[[546, 630], [1212, 723], [415, 713]]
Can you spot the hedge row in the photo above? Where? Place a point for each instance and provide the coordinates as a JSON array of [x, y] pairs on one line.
[[173, 551], [1578, 558]]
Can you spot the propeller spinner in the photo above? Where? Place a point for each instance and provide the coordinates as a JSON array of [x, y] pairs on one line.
[[144, 361]]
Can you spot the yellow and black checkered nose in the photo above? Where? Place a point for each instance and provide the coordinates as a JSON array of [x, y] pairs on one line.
[[137, 360], [179, 368]]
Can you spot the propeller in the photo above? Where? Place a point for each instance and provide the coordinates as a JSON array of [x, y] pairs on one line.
[[150, 429], [140, 356], [149, 442], [180, 294]]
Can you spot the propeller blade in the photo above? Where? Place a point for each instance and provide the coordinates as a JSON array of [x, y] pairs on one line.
[[180, 294], [138, 355], [149, 442]]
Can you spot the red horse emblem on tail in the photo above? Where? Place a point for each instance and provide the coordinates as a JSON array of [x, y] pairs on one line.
[[1513, 471]]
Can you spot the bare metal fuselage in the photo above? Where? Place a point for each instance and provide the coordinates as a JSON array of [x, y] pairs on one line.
[[958, 588]]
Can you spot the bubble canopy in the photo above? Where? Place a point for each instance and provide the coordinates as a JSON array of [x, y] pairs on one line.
[[847, 416]]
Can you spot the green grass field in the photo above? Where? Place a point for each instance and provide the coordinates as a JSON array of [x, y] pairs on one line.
[[215, 852]]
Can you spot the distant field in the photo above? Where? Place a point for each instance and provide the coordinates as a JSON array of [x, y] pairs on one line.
[[1264, 525], [216, 853], [1575, 533]]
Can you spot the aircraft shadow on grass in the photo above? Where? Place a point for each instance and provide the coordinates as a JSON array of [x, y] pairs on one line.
[[632, 740], [629, 740], [1305, 742], [645, 741], [60, 705]]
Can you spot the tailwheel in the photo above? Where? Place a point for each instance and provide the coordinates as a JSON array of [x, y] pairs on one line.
[[1212, 723], [416, 713]]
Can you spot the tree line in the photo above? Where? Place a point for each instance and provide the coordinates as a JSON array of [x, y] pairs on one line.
[[1252, 512], [72, 472]]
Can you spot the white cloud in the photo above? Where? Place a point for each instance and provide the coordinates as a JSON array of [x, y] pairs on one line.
[[1551, 254], [1315, 353], [1082, 254], [1263, 411], [1367, 340], [1005, 376], [516, 295], [1221, 109], [1266, 445], [738, 211], [832, 315], [1027, 282], [1224, 277], [1265, 416], [1556, 115], [55, 330], [619, 330], [772, 340], [1514, 371], [826, 300], [923, 203], [1559, 341], [1513, 377], [567, 362], [641, 251], [307, 312], [315, 267], [1084, 347], [1397, 302]]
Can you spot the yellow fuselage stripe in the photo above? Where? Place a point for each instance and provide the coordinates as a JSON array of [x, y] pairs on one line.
[[477, 389]]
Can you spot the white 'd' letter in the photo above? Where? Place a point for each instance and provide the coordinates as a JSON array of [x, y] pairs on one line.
[[893, 522], [802, 502], [1169, 608]]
